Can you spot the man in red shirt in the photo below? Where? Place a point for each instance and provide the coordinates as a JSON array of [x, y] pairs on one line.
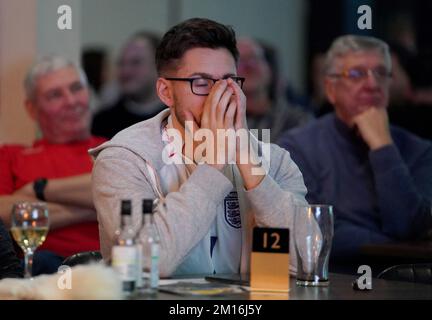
[[56, 168]]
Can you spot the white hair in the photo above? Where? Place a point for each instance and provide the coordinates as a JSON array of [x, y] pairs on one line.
[[346, 44], [45, 66]]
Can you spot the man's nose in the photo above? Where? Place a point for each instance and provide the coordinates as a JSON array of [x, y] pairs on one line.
[[70, 97], [371, 80]]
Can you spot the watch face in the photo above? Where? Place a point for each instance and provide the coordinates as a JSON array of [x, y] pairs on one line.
[[39, 188]]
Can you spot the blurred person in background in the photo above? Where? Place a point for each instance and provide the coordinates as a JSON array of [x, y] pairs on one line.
[[136, 77], [56, 168], [94, 63], [378, 177], [267, 108], [411, 88], [409, 106]]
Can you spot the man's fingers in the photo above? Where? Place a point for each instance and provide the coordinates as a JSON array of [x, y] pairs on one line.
[[190, 123], [241, 105], [213, 99], [230, 114], [217, 91], [363, 111], [223, 105], [236, 88]]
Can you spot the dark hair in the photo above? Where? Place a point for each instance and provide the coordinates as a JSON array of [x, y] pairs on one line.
[[93, 61], [193, 33]]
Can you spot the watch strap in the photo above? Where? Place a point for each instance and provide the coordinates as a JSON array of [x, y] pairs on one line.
[[39, 188]]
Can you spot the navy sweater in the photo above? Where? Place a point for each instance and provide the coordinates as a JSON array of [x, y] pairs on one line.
[[378, 196]]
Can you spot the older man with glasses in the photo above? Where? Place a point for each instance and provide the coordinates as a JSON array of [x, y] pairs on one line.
[[211, 201], [378, 177]]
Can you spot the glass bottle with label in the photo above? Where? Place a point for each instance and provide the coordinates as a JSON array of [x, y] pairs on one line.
[[124, 254], [149, 240]]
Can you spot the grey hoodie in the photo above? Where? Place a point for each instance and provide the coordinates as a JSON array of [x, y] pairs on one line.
[[120, 172]]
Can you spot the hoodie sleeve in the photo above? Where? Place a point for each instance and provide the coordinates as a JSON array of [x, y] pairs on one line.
[[120, 174], [274, 200], [283, 182]]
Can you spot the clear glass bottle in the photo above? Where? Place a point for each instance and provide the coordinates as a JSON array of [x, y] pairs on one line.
[[150, 243], [124, 252]]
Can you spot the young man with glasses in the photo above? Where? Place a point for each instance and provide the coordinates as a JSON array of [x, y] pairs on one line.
[[207, 207], [378, 177]]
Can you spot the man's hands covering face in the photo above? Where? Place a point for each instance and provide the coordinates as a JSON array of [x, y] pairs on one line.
[[224, 118], [224, 112]]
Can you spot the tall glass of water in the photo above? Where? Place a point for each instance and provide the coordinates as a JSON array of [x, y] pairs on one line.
[[30, 225]]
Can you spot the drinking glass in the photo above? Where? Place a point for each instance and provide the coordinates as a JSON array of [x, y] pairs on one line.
[[30, 225], [313, 235]]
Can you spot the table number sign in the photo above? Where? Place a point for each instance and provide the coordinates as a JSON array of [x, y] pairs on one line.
[[270, 260]]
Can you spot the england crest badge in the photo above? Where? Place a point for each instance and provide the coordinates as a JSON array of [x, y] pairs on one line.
[[232, 210]]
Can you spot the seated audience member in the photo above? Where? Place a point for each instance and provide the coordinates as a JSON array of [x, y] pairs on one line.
[[136, 76], [10, 266], [378, 177], [94, 62], [56, 168], [267, 107], [208, 207], [405, 109]]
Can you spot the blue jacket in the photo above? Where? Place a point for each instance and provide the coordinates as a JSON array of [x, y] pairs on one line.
[[378, 196]]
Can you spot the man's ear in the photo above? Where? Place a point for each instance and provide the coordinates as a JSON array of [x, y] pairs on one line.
[[329, 90], [164, 91], [31, 109]]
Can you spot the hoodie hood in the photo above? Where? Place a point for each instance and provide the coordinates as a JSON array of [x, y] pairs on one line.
[[132, 139]]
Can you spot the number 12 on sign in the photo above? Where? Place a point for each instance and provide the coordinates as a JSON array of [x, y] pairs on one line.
[[270, 260]]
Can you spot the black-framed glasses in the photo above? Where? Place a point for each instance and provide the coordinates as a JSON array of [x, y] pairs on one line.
[[358, 74], [202, 86]]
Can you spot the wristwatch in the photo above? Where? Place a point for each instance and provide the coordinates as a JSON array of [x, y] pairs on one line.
[[39, 188]]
